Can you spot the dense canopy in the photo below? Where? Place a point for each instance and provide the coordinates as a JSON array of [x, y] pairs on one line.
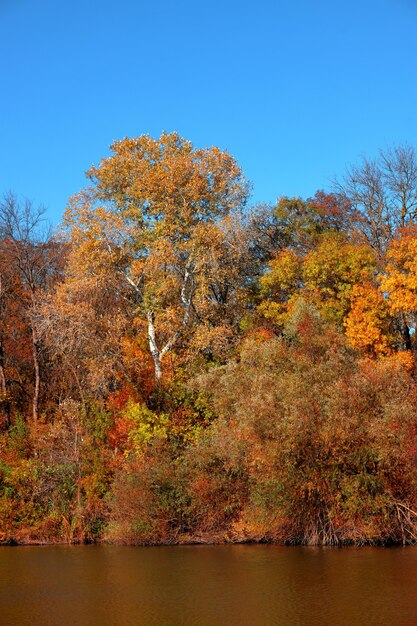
[[177, 366]]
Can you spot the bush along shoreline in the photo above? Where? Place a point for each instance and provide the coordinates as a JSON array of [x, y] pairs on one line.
[[297, 440]]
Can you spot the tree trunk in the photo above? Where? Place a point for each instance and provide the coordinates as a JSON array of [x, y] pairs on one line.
[[36, 368], [153, 347], [187, 292], [3, 384], [3, 387], [406, 335]]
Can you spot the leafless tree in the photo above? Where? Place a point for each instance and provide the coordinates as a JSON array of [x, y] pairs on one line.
[[383, 194], [399, 168], [31, 256]]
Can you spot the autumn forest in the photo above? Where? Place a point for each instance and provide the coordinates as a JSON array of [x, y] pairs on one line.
[[180, 366]]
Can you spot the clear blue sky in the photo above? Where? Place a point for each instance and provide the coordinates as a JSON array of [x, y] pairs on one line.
[[295, 90]]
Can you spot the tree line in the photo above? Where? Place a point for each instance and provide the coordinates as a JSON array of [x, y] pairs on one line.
[[177, 365]]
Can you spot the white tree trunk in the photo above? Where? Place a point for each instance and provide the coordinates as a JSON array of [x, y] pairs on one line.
[[152, 345], [187, 293]]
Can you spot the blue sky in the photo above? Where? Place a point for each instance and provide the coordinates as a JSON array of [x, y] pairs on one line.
[[294, 90]]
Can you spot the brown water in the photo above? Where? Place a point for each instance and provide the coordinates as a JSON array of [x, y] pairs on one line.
[[207, 586]]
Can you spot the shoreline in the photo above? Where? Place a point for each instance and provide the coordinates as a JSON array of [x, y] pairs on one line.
[[13, 543]]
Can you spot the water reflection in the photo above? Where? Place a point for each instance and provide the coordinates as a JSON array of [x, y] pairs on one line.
[[206, 585]]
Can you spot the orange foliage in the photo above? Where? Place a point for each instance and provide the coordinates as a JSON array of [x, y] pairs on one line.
[[400, 277], [368, 322], [193, 365]]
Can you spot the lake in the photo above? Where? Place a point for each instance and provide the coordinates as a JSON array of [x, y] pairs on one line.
[[208, 586]]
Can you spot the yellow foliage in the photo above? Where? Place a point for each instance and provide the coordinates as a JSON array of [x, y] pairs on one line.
[[324, 277], [331, 271], [145, 425], [283, 274], [279, 285]]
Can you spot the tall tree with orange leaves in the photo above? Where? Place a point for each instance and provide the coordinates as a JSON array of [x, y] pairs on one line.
[[158, 219], [399, 281], [369, 323]]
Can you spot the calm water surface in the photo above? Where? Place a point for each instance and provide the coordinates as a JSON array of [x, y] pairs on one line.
[[207, 586]]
